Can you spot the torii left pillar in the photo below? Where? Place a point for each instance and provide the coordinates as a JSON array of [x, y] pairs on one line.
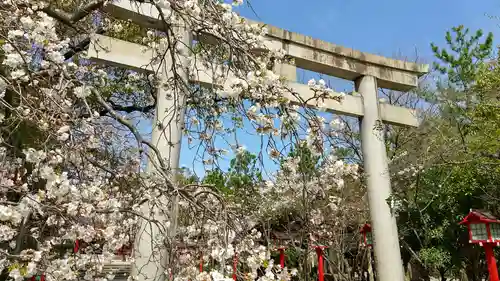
[[151, 260]]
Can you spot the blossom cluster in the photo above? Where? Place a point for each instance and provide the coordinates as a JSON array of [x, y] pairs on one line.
[[72, 157], [321, 194]]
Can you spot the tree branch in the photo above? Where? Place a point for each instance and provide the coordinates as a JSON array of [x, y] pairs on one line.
[[128, 109], [85, 10], [82, 46]]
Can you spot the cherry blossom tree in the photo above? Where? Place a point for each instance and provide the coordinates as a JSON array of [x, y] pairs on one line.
[[73, 151]]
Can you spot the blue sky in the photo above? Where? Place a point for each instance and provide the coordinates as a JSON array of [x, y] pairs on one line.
[[392, 28], [384, 27]]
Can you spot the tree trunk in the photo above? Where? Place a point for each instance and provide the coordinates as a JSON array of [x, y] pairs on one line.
[[370, 266], [442, 273]]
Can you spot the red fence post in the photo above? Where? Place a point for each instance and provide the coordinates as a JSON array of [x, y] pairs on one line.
[[235, 263], [282, 257], [201, 262], [77, 246], [321, 271], [492, 263]]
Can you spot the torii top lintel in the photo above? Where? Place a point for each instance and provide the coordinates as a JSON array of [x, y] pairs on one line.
[[308, 53]]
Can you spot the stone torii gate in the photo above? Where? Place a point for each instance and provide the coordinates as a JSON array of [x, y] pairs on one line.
[[368, 71]]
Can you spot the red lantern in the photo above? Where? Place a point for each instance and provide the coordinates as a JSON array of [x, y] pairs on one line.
[[124, 251], [38, 277], [366, 231], [484, 229]]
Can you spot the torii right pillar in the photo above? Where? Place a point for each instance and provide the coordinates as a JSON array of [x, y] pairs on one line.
[[385, 233]]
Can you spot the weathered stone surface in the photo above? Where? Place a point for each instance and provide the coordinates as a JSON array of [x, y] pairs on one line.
[[120, 53], [309, 53], [117, 52], [321, 45]]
